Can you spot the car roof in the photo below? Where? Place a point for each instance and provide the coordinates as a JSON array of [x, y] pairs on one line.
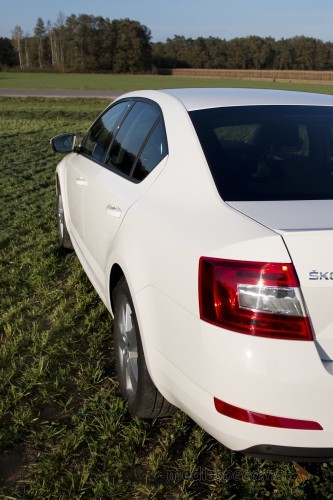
[[203, 98]]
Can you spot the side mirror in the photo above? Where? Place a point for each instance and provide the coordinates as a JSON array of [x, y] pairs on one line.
[[64, 143]]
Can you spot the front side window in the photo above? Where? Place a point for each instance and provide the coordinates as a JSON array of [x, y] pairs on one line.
[[96, 142], [268, 152]]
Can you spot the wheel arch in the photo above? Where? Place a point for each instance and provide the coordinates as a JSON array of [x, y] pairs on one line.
[[136, 384], [146, 318], [117, 272]]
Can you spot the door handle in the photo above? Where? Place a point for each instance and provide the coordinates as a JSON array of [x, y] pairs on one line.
[[114, 210], [81, 181]]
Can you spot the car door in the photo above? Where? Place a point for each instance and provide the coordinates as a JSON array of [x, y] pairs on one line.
[[80, 166], [138, 146]]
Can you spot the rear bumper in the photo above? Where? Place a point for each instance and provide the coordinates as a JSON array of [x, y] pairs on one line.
[[257, 440], [193, 362]]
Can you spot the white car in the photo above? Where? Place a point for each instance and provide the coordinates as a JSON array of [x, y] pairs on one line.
[[204, 220]]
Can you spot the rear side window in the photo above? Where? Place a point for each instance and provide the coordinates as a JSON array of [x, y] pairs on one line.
[[132, 137], [99, 136], [152, 153], [268, 152]]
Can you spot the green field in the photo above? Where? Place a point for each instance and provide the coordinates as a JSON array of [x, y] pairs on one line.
[[121, 83], [64, 430]]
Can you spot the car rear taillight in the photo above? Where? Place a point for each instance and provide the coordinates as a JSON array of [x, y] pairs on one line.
[[256, 298]]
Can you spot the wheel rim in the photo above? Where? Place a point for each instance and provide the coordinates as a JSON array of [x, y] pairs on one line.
[[60, 216], [127, 349]]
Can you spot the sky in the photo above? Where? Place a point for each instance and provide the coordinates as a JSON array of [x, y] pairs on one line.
[[190, 18]]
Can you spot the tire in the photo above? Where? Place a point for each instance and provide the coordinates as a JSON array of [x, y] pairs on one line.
[[64, 238], [137, 388]]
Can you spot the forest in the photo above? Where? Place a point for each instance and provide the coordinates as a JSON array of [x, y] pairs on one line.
[[86, 43]]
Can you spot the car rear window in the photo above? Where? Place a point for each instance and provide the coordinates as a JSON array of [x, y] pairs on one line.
[[268, 152]]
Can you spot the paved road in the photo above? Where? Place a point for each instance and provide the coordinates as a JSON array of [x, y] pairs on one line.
[[99, 94]]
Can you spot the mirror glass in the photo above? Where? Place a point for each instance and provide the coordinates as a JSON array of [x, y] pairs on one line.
[[64, 143]]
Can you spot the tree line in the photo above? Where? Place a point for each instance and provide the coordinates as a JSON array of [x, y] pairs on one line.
[[252, 52], [82, 43], [89, 43]]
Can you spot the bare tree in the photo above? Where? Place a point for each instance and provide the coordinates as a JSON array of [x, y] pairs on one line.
[[59, 30], [17, 35], [27, 50]]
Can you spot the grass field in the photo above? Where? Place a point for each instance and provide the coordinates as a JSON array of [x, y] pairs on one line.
[[121, 83], [64, 430]]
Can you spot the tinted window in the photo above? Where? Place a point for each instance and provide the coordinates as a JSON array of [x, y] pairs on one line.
[[98, 138], [153, 152], [131, 136], [268, 152]]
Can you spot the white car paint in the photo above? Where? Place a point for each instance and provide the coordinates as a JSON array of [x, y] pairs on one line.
[[163, 226]]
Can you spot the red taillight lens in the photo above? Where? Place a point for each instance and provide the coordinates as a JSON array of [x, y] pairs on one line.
[[256, 298], [252, 417]]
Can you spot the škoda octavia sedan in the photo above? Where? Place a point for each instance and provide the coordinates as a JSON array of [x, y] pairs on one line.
[[204, 220]]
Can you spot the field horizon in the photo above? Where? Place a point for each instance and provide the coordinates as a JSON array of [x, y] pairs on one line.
[[129, 82]]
